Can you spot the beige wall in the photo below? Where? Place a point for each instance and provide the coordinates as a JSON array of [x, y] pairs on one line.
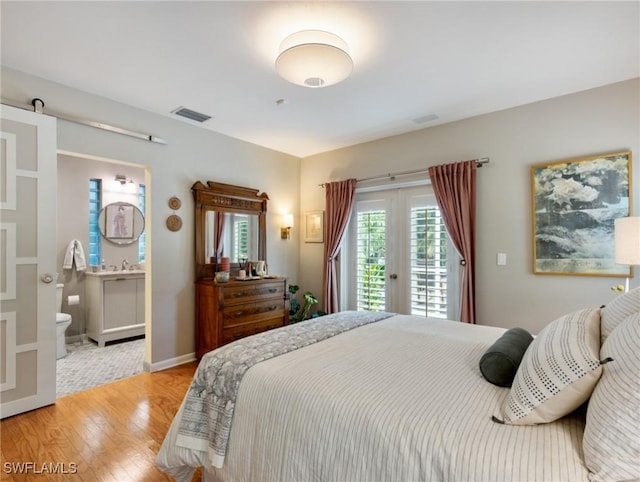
[[592, 122], [192, 153], [597, 121]]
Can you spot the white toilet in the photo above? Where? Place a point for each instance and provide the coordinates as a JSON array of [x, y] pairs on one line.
[[63, 320]]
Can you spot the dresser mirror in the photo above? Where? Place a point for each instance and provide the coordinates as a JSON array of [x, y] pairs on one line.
[[121, 223], [230, 221], [234, 235]]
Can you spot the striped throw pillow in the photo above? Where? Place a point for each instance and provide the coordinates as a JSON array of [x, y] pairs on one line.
[[558, 371], [612, 433], [618, 310]]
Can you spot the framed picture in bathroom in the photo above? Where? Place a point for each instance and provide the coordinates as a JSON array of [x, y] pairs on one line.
[[119, 221]]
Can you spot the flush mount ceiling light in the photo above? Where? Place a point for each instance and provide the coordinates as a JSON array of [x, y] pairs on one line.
[[314, 58]]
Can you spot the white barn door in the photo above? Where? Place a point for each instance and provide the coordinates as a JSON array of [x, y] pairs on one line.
[[28, 165]]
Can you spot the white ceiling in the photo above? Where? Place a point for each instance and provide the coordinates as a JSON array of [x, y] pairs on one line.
[[411, 59]]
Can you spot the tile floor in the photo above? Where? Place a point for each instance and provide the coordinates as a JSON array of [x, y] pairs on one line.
[[87, 366]]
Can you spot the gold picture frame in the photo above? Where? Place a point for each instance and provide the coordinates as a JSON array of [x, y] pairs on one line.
[[574, 205], [314, 227]]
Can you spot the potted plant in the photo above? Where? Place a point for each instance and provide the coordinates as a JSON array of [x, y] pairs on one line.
[[293, 303]]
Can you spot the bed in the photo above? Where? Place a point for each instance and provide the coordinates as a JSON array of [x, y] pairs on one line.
[[400, 398]]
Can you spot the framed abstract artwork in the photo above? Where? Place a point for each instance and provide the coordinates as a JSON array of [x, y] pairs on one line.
[[574, 205]]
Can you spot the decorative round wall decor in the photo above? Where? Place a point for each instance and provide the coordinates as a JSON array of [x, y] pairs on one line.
[[175, 203], [174, 222]]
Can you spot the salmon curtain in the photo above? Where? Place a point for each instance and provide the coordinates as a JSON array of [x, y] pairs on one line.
[[219, 230], [454, 186], [339, 204]]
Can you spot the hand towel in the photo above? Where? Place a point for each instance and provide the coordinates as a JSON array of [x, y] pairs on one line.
[[74, 253]]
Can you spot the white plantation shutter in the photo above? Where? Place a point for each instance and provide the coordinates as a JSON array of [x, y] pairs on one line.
[[428, 263], [241, 237], [370, 260]]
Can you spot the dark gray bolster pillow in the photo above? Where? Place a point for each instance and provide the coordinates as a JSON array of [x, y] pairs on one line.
[[500, 362]]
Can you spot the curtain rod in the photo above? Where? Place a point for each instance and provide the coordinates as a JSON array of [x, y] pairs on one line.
[[391, 176], [38, 107]]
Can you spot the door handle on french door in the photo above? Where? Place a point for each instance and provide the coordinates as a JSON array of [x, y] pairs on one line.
[[393, 276], [46, 278]]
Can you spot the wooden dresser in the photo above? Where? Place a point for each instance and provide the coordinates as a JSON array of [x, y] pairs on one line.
[[229, 311]]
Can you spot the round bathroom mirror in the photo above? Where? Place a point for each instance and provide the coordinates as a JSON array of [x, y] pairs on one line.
[[121, 223]]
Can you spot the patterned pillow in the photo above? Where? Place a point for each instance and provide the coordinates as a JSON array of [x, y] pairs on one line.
[[618, 310], [612, 437], [558, 372]]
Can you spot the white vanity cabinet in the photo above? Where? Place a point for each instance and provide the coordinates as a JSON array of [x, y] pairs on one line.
[[115, 305]]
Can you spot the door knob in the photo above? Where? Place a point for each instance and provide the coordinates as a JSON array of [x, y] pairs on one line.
[[393, 276], [46, 278]]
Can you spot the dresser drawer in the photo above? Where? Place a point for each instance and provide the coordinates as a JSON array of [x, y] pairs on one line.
[[234, 333], [244, 293], [229, 311], [235, 315]]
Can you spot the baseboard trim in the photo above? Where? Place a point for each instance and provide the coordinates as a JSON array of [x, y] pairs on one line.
[[70, 340], [170, 363]]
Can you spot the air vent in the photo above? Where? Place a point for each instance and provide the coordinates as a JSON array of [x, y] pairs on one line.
[[191, 114], [425, 118]]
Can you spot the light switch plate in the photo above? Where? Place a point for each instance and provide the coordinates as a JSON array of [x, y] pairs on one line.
[[502, 259]]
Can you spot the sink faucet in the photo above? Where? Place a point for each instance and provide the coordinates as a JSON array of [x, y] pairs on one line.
[[125, 263]]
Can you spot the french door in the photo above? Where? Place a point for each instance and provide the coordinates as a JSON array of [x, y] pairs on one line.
[[27, 260], [399, 255]]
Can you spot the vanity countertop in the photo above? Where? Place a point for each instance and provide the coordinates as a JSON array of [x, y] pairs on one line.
[[130, 272]]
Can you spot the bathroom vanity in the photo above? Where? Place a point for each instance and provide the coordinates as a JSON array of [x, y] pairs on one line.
[[115, 305]]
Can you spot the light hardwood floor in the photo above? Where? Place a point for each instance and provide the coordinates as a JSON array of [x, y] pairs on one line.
[[110, 433]]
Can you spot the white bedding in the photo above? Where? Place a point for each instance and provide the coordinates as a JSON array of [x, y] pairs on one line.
[[398, 400]]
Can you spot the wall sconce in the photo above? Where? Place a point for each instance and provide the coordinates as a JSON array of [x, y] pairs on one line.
[[285, 231], [123, 184]]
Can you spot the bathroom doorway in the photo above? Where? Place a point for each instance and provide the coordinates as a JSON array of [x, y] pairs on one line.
[[104, 274]]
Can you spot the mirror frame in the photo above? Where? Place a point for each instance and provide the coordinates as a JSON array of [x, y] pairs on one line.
[[102, 223], [228, 198]]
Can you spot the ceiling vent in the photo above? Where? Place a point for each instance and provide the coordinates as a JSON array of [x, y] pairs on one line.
[[191, 114]]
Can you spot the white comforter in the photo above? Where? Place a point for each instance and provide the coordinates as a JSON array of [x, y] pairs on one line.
[[398, 400]]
